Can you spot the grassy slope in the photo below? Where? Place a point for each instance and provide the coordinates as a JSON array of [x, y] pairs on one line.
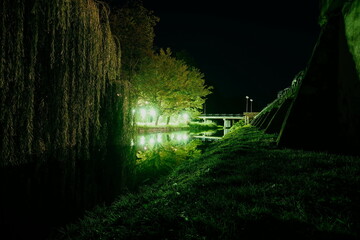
[[242, 188], [192, 126]]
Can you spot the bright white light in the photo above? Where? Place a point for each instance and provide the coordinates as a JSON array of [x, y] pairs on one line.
[[159, 138], [142, 140], [178, 137], [247, 97], [186, 116], [185, 137], [152, 141]]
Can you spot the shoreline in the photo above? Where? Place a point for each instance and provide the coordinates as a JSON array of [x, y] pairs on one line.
[[190, 127], [160, 129]]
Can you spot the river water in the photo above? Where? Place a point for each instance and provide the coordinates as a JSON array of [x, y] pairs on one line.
[[39, 197], [156, 154]]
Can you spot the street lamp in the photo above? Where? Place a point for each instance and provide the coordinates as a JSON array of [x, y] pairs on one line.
[[247, 103], [251, 105]]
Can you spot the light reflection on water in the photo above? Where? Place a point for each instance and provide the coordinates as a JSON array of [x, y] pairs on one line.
[[147, 141], [151, 140], [158, 153]]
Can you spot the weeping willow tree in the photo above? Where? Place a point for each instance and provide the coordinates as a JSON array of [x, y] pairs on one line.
[[60, 87]]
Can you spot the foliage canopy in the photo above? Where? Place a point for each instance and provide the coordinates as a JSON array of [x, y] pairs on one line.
[[133, 25], [170, 85]]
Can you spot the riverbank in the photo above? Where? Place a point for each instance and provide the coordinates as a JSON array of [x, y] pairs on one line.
[[242, 187], [192, 126]]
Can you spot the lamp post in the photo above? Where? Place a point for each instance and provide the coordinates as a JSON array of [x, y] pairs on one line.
[[247, 103], [251, 105]]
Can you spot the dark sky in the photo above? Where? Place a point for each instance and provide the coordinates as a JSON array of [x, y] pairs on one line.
[[251, 47]]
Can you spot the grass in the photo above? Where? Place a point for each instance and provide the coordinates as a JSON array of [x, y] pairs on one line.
[[191, 126], [161, 128], [200, 126], [242, 187], [179, 125]]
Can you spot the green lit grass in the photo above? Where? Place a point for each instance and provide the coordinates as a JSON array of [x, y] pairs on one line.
[[192, 126], [241, 188], [199, 126], [179, 125]]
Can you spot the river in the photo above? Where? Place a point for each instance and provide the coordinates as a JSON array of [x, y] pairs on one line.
[[39, 197], [156, 154]]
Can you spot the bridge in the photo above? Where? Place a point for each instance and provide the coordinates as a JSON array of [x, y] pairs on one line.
[[229, 119]]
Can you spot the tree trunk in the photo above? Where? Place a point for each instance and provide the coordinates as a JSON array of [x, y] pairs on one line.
[[157, 120], [168, 120]]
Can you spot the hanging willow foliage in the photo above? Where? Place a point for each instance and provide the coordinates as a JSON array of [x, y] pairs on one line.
[[60, 87]]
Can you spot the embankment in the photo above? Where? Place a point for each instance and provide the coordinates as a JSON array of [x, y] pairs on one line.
[[242, 187]]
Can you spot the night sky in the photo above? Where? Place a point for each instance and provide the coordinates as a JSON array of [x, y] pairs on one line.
[[252, 48]]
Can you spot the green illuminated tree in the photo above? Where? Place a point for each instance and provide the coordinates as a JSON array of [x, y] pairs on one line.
[[170, 85]]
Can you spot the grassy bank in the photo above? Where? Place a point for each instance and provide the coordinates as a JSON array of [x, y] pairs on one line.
[[241, 188], [203, 126], [162, 128], [192, 126]]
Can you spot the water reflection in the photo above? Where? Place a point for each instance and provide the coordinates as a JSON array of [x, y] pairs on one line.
[[149, 141], [158, 153], [51, 190], [211, 135]]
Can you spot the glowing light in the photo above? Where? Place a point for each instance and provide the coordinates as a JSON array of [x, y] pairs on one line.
[[186, 116]]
